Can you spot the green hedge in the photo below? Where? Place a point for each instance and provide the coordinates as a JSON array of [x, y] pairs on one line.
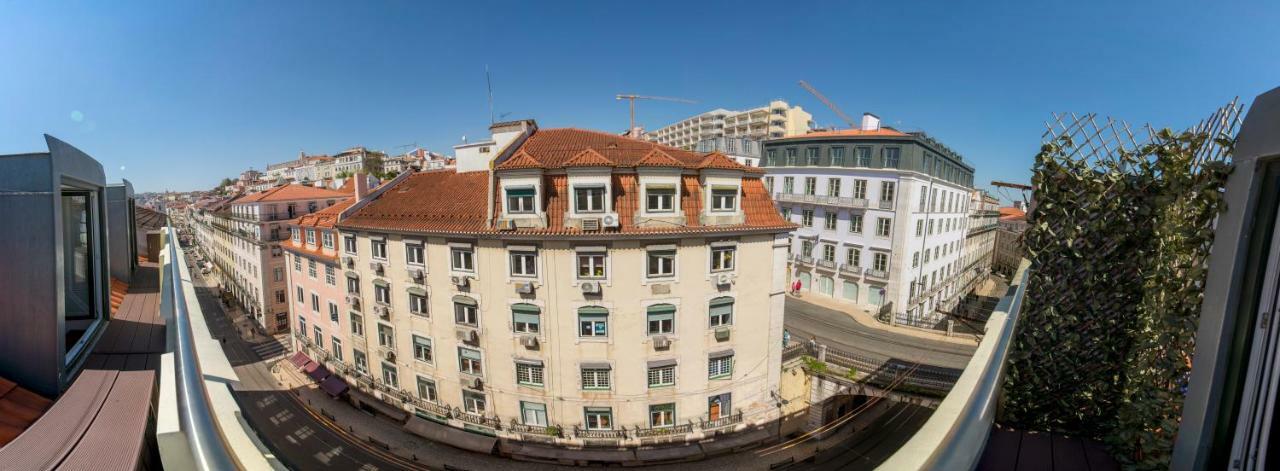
[[1118, 247]]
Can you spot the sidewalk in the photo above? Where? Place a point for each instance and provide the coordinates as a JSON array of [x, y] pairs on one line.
[[866, 319]]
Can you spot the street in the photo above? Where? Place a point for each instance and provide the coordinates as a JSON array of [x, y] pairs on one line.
[[832, 327]]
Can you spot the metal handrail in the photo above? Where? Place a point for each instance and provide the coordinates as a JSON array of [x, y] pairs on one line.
[[195, 412]]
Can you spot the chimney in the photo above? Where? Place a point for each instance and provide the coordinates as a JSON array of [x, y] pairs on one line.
[[362, 186], [870, 122]]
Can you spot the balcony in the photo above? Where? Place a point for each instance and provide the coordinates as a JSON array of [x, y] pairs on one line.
[[802, 259], [848, 269], [877, 274], [827, 264], [886, 205], [836, 201]]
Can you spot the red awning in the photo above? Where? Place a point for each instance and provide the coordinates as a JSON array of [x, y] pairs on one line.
[[299, 359], [319, 373], [334, 385], [310, 366]]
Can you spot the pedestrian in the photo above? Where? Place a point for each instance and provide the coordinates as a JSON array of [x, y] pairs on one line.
[[786, 337], [795, 287]]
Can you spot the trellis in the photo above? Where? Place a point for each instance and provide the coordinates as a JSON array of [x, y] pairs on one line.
[[1120, 230]]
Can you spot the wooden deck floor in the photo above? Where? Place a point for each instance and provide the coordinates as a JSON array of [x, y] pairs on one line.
[[1014, 450]]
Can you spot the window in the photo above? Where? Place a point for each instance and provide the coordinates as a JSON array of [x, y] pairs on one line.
[[806, 217], [330, 275], [863, 154], [463, 259], [382, 293], [422, 349], [886, 190], [378, 248], [336, 343], [315, 302], [529, 373], [593, 321], [389, 375], [837, 156], [721, 311], [854, 257], [357, 325], [362, 362], [811, 156], [524, 264], [297, 263], [720, 367], [318, 336], [588, 199], [311, 237], [661, 264], [311, 269], [660, 198], [327, 238], [278, 274], [302, 298], [591, 265], [296, 234], [788, 185], [810, 185], [417, 304], [891, 155], [663, 374], [599, 418], [525, 318], [470, 361], [662, 415], [353, 285], [806, 248], [930, 230], [427, 390], [791, 156], [883, 226], [473, 402], [465, 311], [830, 224], [920, 228], [661, 319], [413, 254], [881, 261], [595, 377], [833, 187], [855, 223], [829, 252], [349, 244], [533, 413], [768, 181], [521, 200], [386, 336], [860, 189], [722, 258], [281, 297], [724, 199], [333, 312]]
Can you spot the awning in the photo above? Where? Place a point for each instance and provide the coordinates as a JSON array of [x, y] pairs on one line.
[[299, 359], [320, 373], [381, 282], [721, 354], [416, 291], [334, 385], [310, 366], [460, 299], [662, 363], [450, 436]]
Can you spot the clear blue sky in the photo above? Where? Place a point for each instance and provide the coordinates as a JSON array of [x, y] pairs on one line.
[[177, 95]]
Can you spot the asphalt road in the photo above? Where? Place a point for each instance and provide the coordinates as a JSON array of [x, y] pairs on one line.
[[805, 320], [869, 447]]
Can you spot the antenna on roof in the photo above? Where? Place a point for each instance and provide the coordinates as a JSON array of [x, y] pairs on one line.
[[488, 82]]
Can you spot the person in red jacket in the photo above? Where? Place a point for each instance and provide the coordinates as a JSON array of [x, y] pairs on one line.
[[795, 287]]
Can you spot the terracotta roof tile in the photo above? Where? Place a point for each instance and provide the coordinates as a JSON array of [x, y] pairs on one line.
[[555, 148], [588, 158], [19, 408], [658, 158], [1009, 213], [324, 218], [717, 160], [289, 193], [440, 200], [520, 160]]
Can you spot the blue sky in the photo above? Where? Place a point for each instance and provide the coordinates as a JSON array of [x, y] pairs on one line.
[[177, 95]]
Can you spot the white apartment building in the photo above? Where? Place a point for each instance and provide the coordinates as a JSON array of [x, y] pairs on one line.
[[742, 150], [242, 239], [980, 240], [775, 120], [882, 217], [358, 159], [567, 285]]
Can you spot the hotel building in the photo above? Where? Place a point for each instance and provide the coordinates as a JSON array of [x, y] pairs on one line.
[[777, 119]]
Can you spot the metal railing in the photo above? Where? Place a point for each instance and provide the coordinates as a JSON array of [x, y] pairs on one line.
[[209, 449], [580, 432], [841, 201], [873, 273], [663, 431], [721, 422]]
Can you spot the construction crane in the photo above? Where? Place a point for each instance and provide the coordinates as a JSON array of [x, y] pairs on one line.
[[633, 98], [825, 101]]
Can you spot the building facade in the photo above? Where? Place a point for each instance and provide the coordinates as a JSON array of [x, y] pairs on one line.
[[980, 240], [242, 238], [742, 150], [358, 159], [882, 217], [775, 120], [566, 280], [1009, 249], [316, 286]]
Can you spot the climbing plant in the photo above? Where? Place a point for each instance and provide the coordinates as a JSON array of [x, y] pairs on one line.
[[1118, 245]]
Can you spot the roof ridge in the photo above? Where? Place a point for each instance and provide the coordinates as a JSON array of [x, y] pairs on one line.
[[588, 158]]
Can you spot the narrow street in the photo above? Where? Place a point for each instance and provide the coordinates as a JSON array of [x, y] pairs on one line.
[[832, 327]]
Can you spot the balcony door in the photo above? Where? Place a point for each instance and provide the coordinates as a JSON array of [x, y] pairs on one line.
[[82, 280]]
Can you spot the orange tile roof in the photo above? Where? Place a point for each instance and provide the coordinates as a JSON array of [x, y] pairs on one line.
[[325, 218], [883, 131], [19, 408], [570, 147], [436, 201], [289, 193], [1009, 213]]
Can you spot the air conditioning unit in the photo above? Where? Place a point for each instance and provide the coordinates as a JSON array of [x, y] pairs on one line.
[[722, 333], [591, 224], [376, 267], [417, 274], [661, 342], [506, 224], [383, 311], [724, 279], [349, 262], [609, 220], [389, 355], [590, 287], [525, 287], [477, 384], [465, 335], [459, 280], [353, 299], [529, 341]]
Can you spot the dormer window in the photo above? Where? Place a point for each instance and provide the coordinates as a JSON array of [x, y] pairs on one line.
[[724, 199], [521, 200], [660, 198], [588, 199]]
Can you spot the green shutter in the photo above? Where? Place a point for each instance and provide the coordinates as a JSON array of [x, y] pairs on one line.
[[721, 306], [515, 192], [593, 311]]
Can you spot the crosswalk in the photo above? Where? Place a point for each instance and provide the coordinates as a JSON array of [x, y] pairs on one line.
[[273, 348]]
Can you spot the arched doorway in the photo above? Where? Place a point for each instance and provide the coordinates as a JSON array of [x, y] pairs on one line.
[[826, 285], [806, 280], [850, 291]]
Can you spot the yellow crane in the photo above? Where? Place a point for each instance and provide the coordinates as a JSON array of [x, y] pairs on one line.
[[632, 98], [852, 124]]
